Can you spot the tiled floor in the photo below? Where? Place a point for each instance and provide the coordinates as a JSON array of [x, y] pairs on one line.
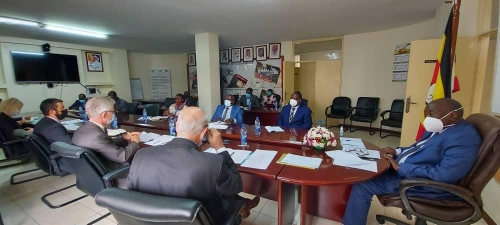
[[21, 204]]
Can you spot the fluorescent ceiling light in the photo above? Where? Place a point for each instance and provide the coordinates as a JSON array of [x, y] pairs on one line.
[[27, 53], [19, 22], [73, 31]]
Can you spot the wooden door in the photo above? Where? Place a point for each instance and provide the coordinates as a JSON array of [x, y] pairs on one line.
[[288, 81]]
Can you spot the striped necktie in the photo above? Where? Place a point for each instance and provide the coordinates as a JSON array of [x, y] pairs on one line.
[[414, 148], [291, 115], [225, 113]]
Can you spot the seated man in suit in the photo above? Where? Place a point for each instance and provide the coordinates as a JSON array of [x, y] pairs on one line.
[[249, 99], [115, 153], [169, 170], [79, 103], [295, 115], [229, 113], [445, 153], [120, 104]]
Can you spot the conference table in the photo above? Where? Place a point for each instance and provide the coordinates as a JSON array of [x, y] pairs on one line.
[[267, 116], [323, 192]]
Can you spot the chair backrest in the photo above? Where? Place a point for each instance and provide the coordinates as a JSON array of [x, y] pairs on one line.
[[132, 107], [278, 99], [304, 102], [168, 102], [397, 109], [130, 207], [191, 101], [41, 153], [341, 103], [488, 158], [367, 106], [153, 109], [14, 150], [88, 168]]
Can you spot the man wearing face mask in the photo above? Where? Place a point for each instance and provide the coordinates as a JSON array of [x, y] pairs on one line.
[[82, 99], [229, 113], [295, 115], [120, 104], [168, 170], [114, 152], [249, 100], [445, 153]]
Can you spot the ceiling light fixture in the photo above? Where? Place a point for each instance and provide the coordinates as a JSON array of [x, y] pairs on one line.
[[27, 53], [18, 22], [74, 31]]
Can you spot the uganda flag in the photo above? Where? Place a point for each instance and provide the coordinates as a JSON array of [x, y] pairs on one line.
[[444, 82]]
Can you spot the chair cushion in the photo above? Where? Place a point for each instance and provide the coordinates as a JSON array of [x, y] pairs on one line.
[[392, 123], [360, 118], [444, 210]]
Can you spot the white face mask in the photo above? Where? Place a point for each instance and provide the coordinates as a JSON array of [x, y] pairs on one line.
[[227, 103], [293, 102], [433, 125]]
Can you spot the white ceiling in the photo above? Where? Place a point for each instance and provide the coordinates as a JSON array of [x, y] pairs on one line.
[[168, 26]]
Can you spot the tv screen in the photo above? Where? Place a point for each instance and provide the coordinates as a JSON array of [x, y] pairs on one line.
[[45, 67]]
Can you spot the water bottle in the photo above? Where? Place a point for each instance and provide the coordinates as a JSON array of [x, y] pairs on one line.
[[341, 132], [257, 126], [276, 105], [171, 125], [243, 135], [319, 123], [82, 113], [114, 123], [144, 114]]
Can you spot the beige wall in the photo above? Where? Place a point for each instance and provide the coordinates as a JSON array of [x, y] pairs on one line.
[[115, 75], [368, 59], [320, 56], [468, 18], [139, 65]]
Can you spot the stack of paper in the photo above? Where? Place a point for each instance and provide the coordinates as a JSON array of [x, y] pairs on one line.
[[145, 136], [300, 161], [142, 118], [156, 118], [218, 125], [260, 159], [351, 143], [238, 156], [71, 127], [348, 160], [160, 140], [67, 122], [116, 132], [274, 129]]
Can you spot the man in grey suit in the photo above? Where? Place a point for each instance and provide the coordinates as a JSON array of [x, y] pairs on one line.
[[179, 169], [116, 152]]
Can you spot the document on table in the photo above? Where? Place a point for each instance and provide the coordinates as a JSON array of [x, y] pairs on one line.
[[142, 118], [71, 127], [116, 132], [68, 122], [348, 160], [238, 156], [260, 159], [274, 129], [145, 136], [156, 118], [160, 140], [300, 161], [218, 125], [351, 143], [372, 154]]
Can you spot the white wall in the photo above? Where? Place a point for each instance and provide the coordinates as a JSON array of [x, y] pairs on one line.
[[115, 75], [321, 55], [368, 59], [468, 18]]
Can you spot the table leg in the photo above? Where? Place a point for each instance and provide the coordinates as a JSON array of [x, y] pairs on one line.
[[305, 218], [286, 203]]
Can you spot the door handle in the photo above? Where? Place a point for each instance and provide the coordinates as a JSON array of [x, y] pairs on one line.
[[408, 104]]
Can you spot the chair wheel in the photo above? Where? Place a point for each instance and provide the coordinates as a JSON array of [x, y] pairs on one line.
[[380, 219]]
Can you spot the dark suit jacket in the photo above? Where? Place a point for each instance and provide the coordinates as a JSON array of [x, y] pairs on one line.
[[115, 153], [302, 118], [120, 105], [7, 127], [52, 131], [179, 169], [254, 101]]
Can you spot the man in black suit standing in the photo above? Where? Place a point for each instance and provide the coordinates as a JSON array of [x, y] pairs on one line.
[[180, 169], [50, 127]]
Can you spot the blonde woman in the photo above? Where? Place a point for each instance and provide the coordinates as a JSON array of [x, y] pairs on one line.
[[9, 109]]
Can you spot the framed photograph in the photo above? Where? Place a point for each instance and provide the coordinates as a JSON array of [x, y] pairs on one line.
[[94, 62], [235, 54], [274, 50], [247, 54], [192, 59], [261, 52], [224, 56]]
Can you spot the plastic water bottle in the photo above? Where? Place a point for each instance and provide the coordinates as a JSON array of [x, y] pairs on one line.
[[82, 113], [341, 132], [144, 114], [319, 123], [171, 126], [114, 123], [257, 126], [276, 105], [243, 135]]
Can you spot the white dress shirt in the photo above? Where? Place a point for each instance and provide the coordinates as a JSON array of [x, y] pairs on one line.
[[228, 114], [101, 126], [294, 111], [419, 144]]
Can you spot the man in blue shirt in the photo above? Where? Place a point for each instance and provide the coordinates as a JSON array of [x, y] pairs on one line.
[[80, 103], [229, 113], [295, 115]]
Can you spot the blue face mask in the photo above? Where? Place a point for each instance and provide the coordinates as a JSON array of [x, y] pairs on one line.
[[269, 93], [248, 95], [82, 101]]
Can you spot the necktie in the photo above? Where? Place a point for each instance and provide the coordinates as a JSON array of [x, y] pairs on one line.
[[412, 150], [291, 115], [225, 113]]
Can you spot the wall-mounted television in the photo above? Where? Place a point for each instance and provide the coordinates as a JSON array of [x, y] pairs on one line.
[[30, 67]]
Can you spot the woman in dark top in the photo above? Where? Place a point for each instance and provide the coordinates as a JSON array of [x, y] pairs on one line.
[[82, 99], [9, 108]]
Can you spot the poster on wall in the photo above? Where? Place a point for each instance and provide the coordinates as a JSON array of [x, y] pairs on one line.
[[192, 80], [260, 76], [160, 83], [94, 62], [401, 62]]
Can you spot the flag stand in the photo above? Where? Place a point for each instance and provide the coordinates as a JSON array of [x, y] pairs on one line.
[[454, 36]]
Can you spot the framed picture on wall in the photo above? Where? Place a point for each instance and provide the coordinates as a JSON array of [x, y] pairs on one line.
[[235, 54], [94, 61], [261, 52], [247, 54], [192, 59], [224, 56], [274, 50]]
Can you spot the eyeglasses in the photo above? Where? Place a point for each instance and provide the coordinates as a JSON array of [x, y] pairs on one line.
[[358, 151]]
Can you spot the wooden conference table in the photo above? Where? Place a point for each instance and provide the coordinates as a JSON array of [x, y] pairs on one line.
[[267, 117]]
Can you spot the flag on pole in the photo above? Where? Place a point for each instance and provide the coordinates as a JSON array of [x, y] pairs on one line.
[[444, 82]]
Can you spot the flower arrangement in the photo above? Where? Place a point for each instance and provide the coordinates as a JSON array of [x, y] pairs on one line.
[[319, 138]]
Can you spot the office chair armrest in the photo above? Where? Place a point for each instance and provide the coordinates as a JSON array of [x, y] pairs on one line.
[[383, 114], [12, 142], [326, 110], [109, 177]]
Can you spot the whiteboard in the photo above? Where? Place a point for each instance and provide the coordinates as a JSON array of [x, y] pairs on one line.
[[136, 88], [161, 87]]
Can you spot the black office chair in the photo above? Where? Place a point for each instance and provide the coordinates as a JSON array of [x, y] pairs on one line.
[[340, 109], [91, 175], [153, 109], [16, 152], [304, 102], [395, 116], [132, 108], [135, 208], [168, 102], [366, 111], [278, 100], [191, 101]]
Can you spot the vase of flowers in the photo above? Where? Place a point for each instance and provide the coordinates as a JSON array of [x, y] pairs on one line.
[[319, 138]]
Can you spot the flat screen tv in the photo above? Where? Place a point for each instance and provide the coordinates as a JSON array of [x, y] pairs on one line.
[[32, 67]]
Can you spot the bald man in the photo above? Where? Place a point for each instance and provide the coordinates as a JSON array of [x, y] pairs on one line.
[[445, 153], [228, 113], [180, 169]]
